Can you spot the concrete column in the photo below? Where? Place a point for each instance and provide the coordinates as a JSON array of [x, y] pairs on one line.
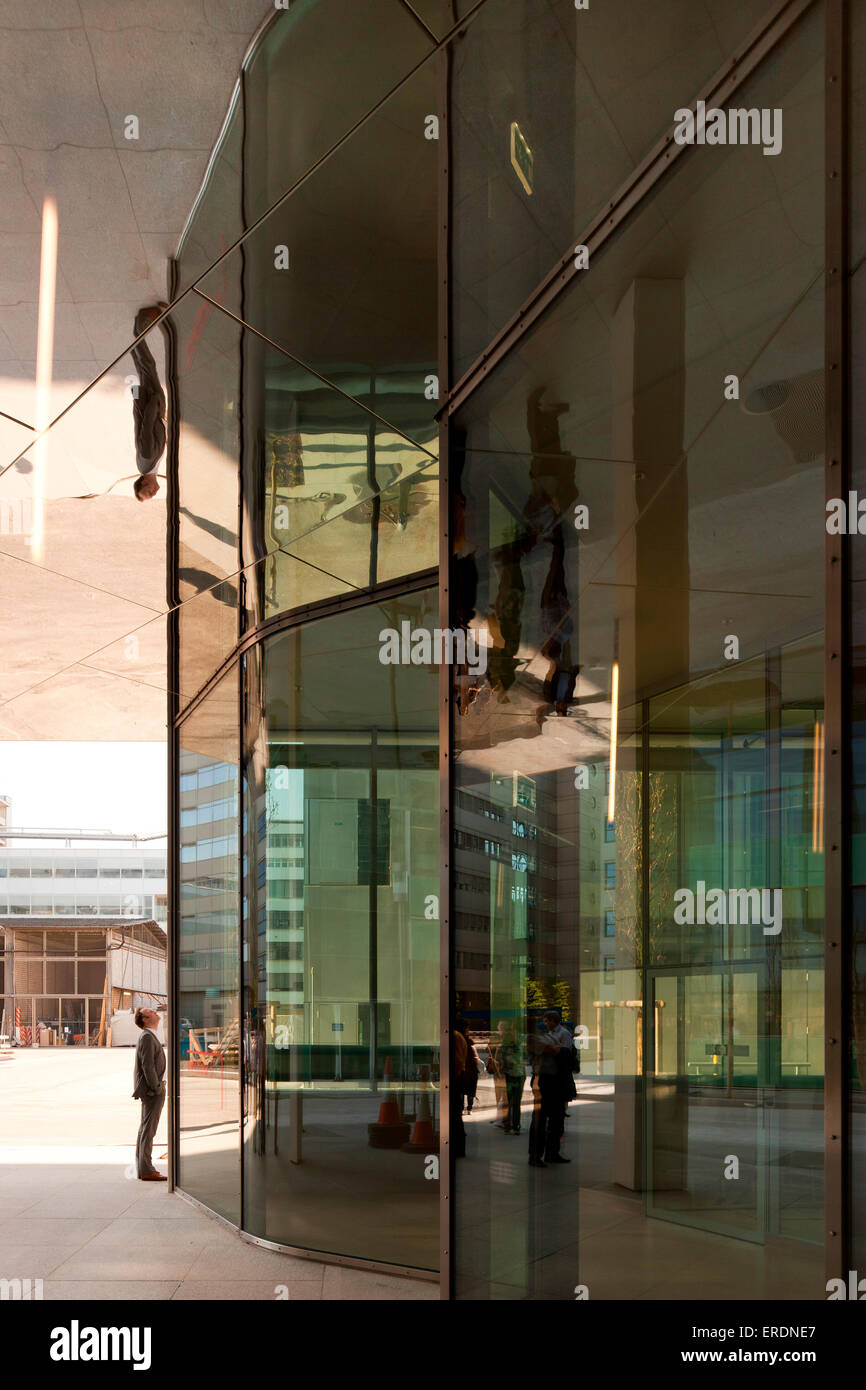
[[652, 648]]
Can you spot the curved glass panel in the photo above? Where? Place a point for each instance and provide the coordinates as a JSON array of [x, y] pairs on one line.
[[341, 984], [217, 219], [207, 945], [314, 465], [360, 309], [313, 75], [208, 348], [334, 499]]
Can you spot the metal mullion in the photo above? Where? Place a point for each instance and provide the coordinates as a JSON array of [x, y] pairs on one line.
[[635, 188], [647, 1079], [241, 732], [296, 617], [407, 6], [172, 711], [446, 991], [446, 958], [836, 654], [241, 426]]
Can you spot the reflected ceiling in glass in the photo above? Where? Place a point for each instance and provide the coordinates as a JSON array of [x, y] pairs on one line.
[[112, 111], [535, 161], [287, 124], [342, 274]]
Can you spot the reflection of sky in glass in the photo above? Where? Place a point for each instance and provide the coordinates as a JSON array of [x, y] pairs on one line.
[[285, 790]]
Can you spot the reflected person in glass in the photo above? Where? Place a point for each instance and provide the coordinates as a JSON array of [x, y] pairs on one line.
[[550, 1049], [148, 408]]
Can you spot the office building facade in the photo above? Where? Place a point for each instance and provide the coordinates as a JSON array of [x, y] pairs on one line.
[[514, 647], [82, 935]]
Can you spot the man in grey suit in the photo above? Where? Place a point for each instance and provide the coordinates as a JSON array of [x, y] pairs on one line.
[[149, 1088], [148, 407]]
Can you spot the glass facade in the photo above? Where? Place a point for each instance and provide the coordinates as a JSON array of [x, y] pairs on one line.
[[207, 1020], [510, 754], [341, 950]]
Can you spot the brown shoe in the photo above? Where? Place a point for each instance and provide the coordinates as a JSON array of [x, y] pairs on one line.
[[152, 1177]]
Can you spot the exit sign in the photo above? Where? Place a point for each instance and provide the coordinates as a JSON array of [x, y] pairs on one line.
[[521, 157]]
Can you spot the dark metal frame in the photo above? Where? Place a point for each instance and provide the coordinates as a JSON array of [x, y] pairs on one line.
[[837, 820], [631, 192], [307, 613], [172, 712], [742, 63], [446, 936]]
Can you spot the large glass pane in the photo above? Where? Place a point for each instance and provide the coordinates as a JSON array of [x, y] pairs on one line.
[[73, 1022], [217, 218], [341, 983], [208, 347], [359, 309], [736, 1005], [207, 943], [333, 498], [535, 160], [313, 74], [639, 860]]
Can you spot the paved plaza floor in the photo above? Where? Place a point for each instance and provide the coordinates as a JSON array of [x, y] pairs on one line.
[[73, 1214]]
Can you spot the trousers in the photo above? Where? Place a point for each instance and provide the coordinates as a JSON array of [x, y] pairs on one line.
[[548, 1117], [151, 1109]]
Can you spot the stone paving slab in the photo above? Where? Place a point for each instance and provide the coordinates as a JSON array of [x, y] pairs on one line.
[[73, 1214]]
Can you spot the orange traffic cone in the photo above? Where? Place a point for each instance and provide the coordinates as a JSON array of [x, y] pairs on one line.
[[389, 1131], [423, 1140]]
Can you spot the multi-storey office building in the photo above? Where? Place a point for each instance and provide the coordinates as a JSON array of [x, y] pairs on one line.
[[82, 934], [537, 323], [81, 878]]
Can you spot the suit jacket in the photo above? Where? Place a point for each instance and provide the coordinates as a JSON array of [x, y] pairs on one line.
[[149, 1066]]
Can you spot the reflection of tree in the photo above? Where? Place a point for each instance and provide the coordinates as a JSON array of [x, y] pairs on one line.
[[286, 460], [663, 861], [547, 994]]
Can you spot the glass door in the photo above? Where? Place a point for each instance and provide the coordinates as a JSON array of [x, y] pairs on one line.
[[706, 1074]]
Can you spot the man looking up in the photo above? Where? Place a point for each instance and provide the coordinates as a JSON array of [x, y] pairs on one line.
[[149, 1088]]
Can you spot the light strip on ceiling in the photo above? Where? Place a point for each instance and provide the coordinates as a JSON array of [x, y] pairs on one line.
[[614, 721], [44, 364]]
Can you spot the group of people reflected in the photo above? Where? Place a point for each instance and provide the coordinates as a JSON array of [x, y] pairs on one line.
[[542, 1051]]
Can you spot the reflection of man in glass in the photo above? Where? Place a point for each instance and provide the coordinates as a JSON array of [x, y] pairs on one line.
[[552, 492], [510, 1062], [551, 1050], [148, 408]]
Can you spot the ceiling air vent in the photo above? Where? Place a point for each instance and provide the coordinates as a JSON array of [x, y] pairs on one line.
[[796, 407]]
